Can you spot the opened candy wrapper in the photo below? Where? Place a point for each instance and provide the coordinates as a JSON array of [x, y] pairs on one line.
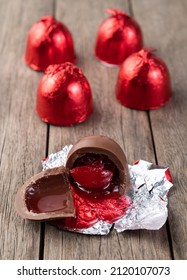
[[150, 185], [99, 190]]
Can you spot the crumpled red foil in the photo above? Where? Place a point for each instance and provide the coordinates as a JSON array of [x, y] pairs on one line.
[[117, 38], [143, 81], [49, 42], [64, 96], [90, 210]]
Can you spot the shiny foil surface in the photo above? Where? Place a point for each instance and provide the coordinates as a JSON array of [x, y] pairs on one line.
[[64, 96], [144, 207], [117, 38], [48, 42], [143, 81], [91, 210], [149, 193]]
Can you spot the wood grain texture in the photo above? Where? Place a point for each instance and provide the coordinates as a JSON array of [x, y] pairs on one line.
[[23, 135], [129, 128], [167, 32]]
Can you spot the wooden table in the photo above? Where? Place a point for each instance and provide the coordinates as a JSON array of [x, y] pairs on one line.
[[157, 136]]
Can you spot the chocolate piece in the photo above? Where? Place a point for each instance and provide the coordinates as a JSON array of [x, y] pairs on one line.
[[64, 95], [117, 38], [105, 146], [49, 42], [46, 196], [143, 81]]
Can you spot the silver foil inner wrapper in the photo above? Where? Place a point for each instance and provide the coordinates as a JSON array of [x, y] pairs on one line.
[[56, 159], [149, 194], [150, 185], [100, 228]]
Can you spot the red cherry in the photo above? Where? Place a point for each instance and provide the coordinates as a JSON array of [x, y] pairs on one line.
[[91, 177]]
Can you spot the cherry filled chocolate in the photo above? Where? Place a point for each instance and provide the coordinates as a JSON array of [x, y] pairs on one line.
[[97, 163], [118, 36], [99, 179], [64, 95], [143, 81], [46, 196], [49, 42], [95, 174], [88, 189]]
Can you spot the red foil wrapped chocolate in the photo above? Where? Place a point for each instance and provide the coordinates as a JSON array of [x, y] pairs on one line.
[[143, 81], [49, 42], [64, 96], [117, 38]]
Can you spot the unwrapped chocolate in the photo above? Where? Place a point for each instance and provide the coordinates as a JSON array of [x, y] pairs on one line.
[[147, 198], [46, 196], [89, 188]]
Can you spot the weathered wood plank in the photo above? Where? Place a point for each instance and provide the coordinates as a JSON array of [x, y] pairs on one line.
[[164, 24], [23, 135], [129, 128]]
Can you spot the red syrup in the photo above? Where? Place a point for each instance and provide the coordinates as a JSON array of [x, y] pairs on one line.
[[47, 194]]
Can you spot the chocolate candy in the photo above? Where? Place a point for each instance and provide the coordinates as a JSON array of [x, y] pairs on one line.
[[117, 38], [143, 81], [49, 42], [46, 196], [96, 170], [105, 146], [64, 96]]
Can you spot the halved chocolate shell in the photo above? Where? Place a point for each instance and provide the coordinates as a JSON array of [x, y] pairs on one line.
[[46, 196], [102, 145]]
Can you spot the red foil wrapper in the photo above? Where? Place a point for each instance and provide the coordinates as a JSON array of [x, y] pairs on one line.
[[64, 96], [49, 42], [117, 38], [90, 210], [143, 81]]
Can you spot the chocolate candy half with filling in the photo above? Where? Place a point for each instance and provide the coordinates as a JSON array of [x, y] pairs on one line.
[[96, 168], [98, 164], [46, 196]]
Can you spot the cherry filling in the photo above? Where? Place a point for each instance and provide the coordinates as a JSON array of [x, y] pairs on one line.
[[95, 173], [47, 194], [95, 188]]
